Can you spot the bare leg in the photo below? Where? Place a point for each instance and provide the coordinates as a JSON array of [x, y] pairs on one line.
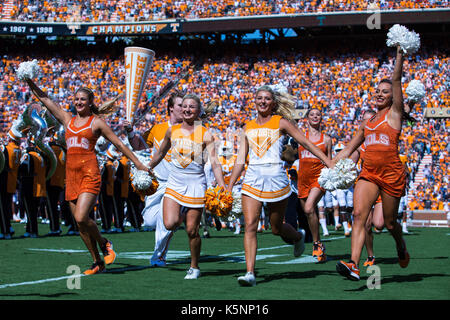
[[309, 207], [365, 195], [193, 217], [252, 210]]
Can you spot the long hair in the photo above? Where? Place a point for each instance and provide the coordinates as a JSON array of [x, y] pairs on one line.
[[284, 102], [106, 108]]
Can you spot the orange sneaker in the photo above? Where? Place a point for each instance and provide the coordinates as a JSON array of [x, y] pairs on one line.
[[108, 252], [348, 269], [97, 267], [403, 256], [319, 252], [370, 261]]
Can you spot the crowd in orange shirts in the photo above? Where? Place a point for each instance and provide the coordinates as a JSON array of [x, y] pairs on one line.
[[143, 10], [339, 84]]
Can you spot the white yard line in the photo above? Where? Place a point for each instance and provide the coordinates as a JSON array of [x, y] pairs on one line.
[[3, 286]]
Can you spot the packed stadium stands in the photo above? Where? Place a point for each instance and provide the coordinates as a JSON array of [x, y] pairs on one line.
[[340, 84], [123, 10]]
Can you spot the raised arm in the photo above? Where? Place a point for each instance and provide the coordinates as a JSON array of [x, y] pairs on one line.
[[215, 165], [397, 108], [134, 138], [239, 163], [295, 133], [62, 116]]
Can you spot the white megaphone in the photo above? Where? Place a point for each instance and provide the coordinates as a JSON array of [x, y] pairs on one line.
[[138, 62]]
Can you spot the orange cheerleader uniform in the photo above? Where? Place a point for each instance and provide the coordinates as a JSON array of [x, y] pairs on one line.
[[82, 171], [382, 164], [309, 168]]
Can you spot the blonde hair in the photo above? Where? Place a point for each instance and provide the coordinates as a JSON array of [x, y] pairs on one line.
[[204, 112], [284, 102], [106, 108]]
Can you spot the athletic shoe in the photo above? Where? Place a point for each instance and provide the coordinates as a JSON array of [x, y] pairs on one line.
[[299, 246], [192, 273], [2, 236], [347, 234], [206, 234], [238, 230], [134, 230], [404, 228], [158, 263], [348, 270], [370, 261], [403, 256], [338, 227], [248, 280], [108, 252], [319, 252], [97, 267], [377, 231], [326, 234], [8, 236]]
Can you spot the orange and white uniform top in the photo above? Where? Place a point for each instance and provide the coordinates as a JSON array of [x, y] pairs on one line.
[[382, 164], [154, 138], [82, 171], [310, 167], [265, 178], [227, 167], [187, 180]]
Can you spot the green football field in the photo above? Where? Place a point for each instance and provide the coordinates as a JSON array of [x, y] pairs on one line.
[[43, 268]]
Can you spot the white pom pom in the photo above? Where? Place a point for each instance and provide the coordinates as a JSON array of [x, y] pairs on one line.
[[342, 176], [142, 180], [279, 88], [28, 70], [415, 91], [409, 41]]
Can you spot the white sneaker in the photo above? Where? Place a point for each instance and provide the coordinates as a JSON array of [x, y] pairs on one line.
[[404, 228], [248, 280], [238, 230], [299, 246], [192, 273]]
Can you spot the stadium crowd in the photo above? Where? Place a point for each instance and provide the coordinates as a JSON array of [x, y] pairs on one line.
[[337, 83], [123, 10]]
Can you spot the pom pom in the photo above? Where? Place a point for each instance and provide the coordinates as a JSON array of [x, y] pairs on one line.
[[279, 88], [143, 182], [28, 70], [219, 201], [409, 41], [415, 91], [236, 210], [342, 176]]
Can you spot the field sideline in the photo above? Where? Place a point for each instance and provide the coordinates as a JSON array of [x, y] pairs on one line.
[[37, 269]]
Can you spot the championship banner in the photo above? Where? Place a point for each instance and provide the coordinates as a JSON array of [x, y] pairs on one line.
[[137, 66]]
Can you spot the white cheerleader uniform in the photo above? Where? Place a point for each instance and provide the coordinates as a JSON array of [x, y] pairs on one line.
[[187, 181], [265, 179]]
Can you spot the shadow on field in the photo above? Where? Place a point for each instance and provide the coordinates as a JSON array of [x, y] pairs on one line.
[[54, 295], [126, 268], [400, 279], [295, 275]]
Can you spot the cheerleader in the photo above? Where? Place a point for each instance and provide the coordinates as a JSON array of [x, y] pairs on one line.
[[309, 190], [265, 179], [82, 170], [382, 172], [186, 185]]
